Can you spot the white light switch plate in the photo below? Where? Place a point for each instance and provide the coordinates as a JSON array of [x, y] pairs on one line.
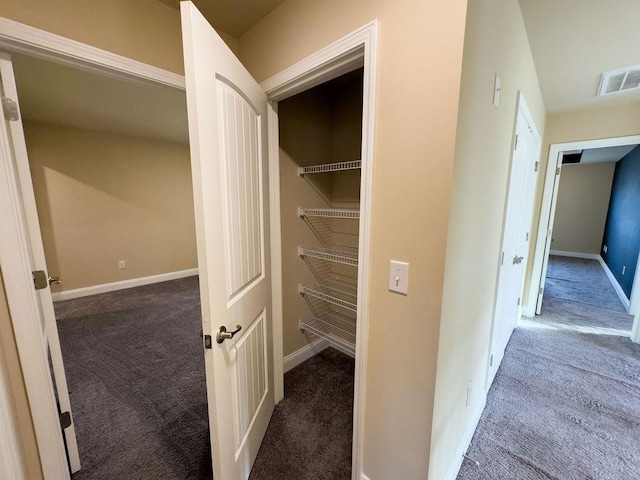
[[399, 277]]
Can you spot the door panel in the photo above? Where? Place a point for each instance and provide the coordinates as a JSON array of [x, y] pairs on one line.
[[37, 260], [227, 114], [243, 223], [515, 244], [547, 244]]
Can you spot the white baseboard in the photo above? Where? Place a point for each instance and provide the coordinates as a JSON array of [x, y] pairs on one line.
[[113, 286], [456, 463], [614, 282], [305, 353], [562, 253], [364, 477]]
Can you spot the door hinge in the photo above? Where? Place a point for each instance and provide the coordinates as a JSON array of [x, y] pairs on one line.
[[207, 342], [502, 259], [548, 232], [491, 361], [519, 301], [40, 279], [515, 147], [65, 420], [526, 237], [540, 291], [535, 166], [10, 109], [557, 170]]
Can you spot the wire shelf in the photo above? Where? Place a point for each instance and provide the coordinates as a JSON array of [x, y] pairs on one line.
[[333, 253], [329, 213], [338, 331], [330, 167], [336, 292]]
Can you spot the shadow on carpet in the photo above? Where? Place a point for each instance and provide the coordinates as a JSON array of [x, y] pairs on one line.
[[310, 434], [135, 369]]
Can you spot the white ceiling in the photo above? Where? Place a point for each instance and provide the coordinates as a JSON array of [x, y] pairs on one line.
[[232, 16], [603, 155], [574, 41], [61, 95]]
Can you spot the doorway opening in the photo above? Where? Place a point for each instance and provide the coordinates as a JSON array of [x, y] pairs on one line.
[[595, 163], [320, 139], [108, 162]]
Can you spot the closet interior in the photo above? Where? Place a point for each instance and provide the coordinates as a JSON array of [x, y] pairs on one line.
[[320, 151]]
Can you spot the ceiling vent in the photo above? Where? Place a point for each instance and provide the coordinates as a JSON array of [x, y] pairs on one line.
[[619, 80]]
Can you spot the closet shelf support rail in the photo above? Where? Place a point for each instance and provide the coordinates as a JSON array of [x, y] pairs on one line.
[[330, 167], [324, 327], [332, 253], [329, 212], [336, 293]]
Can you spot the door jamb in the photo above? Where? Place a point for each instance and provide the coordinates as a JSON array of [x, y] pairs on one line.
[[546, 210], [19, 38], [356, 49]]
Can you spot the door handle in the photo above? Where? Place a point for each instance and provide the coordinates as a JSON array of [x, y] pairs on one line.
[[54, 280], [517, 260], [222, 334]]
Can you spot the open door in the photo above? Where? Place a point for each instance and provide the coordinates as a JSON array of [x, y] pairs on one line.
[[14, 131], [548, 233], [227, 113], [516, 234]]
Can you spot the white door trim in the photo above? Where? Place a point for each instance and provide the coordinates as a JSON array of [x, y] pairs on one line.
[[354, 50], [547, 210], [19, 38]]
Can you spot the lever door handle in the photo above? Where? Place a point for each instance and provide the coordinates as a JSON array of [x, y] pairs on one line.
[[54, 280], [222, 334], [517, 260]]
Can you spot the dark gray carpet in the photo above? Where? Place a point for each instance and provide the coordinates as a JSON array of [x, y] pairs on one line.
[[310, 434], [135, 370], [565, 403], [582, 281]]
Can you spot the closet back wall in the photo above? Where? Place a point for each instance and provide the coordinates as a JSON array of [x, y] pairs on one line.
[[321, 125], [104, 197]]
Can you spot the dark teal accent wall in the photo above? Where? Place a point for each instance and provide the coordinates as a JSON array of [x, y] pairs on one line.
[[622, 230]]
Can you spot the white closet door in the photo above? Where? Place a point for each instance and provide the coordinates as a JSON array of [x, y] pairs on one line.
[[227, 113]]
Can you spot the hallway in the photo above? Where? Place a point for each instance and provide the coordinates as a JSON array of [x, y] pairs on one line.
[[565, 403]]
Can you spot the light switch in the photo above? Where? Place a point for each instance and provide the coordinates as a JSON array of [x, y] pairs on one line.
[[496, 91], [399, 277]]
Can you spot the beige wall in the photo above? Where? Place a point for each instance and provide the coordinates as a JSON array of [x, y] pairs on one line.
[[144, 30], [581, 209], [102, 198], [305, 139], [321, 125], [416, 116], [15, 383], [495, 42]]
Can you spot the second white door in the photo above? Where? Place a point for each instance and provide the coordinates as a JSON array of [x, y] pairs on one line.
[[515, 243]]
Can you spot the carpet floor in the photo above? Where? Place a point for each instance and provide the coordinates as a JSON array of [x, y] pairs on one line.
[[565, 403], [136, 379], [310, 433], [135, 371]]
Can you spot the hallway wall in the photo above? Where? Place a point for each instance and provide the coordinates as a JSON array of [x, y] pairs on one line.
[[495, 42], [581, 209]]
